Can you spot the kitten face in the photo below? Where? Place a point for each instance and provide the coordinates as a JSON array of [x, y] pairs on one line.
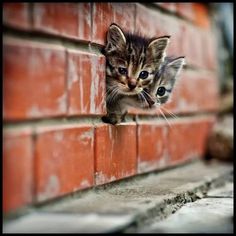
[[161, 88], [132, 60]]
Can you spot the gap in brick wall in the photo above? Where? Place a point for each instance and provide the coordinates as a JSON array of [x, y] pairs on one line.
[[95, 120], [181, 117], [41, 37]]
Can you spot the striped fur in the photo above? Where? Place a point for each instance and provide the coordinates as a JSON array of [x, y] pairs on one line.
[[135, 54]]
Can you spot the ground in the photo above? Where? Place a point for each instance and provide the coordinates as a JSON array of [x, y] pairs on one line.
[[195, 197]]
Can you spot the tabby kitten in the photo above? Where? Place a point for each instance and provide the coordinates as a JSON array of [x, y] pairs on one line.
[[160, 90], [131, 63]]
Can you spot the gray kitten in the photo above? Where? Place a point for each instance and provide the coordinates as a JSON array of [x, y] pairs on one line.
[[131, 65], [160, 90]]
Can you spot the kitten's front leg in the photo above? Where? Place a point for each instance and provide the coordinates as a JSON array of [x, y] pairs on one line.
[[114, 118]]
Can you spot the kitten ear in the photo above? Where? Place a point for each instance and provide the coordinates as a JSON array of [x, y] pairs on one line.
[[156, 48], [115, 38], [175, 66]]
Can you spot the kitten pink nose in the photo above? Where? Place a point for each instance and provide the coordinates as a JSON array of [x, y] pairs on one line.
[[132, 83]]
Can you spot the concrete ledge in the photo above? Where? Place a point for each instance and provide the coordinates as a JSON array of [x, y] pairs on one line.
[[126, 205]]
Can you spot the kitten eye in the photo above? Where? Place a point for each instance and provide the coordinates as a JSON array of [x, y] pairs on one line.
[[143, 74], [122, 70], [161, 91]]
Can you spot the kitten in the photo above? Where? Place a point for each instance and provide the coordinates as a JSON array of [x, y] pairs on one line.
[[160, 90], [131, 63]]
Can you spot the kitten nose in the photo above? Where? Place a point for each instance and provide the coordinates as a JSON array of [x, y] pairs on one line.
[[132, 83]]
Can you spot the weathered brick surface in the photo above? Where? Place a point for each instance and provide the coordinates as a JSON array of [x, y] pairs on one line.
[[186, 10], [16, 15], [187, 139], [202, 18], [86, 83], [47, 80], [32, 87], [115, 152], [17, 169], [65, 19], [197, 92], [152, 145], [64, 160], [195, 12], [187, 39], [170, 6], [106, 13]]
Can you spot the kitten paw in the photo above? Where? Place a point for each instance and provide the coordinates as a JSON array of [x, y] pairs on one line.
[[109, 120]]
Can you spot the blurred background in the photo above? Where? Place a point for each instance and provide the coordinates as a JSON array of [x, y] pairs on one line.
[[221, 140]]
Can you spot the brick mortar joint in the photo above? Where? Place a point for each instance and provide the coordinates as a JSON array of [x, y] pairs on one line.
[[55, 40], [174, 15], [33, 124]]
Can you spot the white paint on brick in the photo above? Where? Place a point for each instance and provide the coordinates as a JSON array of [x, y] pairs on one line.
[[58, 136], [144, 166], [82, 107], [94, 83], [86, 137], [85, 183], [61, 101], [72, 73], [81, 17], [101, 178], [34, 111], [51, 189], [39, 13]]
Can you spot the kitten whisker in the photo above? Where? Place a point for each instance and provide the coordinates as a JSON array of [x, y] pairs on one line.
[[170, 113], [164, 116], [147, 94], [112, 95], [144, 99]]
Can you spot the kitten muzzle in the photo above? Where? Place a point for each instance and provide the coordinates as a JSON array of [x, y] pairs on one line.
[[132, 83]]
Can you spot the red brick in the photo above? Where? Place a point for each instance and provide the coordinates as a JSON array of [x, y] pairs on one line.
[[86, 83], [124, 15], [102, 18], [152, 145], [187, 139], [210, 51], [106, 13], [64, 160], [16, 15], [115, 152], [197, 91], [170, 6], [155, 24], [201, 15], [72, 20], [146, 21], [192, 47], [186, 10], [17, 169], [187, 40], [34, 80], [84, 21]]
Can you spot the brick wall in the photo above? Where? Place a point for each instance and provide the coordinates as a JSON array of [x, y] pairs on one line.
[[54, 142]]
